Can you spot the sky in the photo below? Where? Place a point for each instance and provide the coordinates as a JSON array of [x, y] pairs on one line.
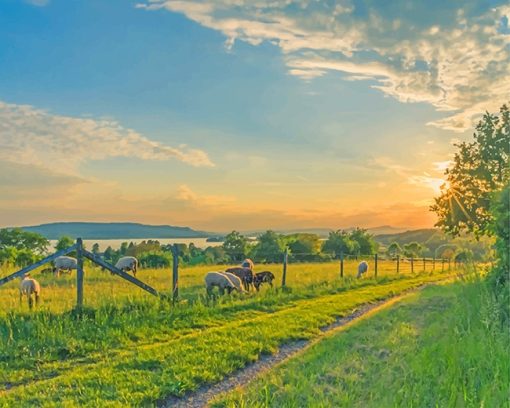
[[241, 114]]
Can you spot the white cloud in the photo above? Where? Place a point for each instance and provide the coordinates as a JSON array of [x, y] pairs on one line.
[[35, 137], [456, 59]]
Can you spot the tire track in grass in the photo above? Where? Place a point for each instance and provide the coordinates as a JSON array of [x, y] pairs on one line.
[[202, 396]]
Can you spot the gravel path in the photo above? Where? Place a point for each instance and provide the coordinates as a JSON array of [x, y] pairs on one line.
[[204, 394]]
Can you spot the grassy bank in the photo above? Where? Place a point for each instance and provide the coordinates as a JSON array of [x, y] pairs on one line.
[[439, 348], [144, 351]]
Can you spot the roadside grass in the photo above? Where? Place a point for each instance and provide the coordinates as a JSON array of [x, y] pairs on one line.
[[442, 347], [139, 352]]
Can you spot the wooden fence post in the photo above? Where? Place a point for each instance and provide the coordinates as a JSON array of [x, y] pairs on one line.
[[424, 265], [375, 268], [284, 275], [442, 264], [434, 263], [342, 264], [79, 273], [398, 264], [175, 273], [412, 265]]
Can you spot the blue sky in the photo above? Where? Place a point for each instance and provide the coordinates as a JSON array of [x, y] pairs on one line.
[[240, 114]]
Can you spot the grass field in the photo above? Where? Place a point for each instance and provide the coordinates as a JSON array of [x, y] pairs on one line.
[[438, 348], [128, 348]]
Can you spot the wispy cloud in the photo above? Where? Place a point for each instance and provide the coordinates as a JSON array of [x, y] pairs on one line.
[[35, 137], [453, 56]]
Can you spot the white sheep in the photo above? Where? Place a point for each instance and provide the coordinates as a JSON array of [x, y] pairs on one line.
[[236, 281], [127, 263], [64, 263], [29, 287], [362, 268], [220, 280]]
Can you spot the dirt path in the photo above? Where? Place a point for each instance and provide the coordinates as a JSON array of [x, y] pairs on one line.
[[206, 393]]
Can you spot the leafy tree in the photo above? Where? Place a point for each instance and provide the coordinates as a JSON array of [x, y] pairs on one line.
[[365, 240], [269, 248], [95, 248], [413, 249], [64, 242], [156, 259], [236, 246], [25, 257], [303, 247], [20, 239], [8, 255], [123, 248], [339, 242], [110, 255], [480, 169], [499, 276], [394, 249]]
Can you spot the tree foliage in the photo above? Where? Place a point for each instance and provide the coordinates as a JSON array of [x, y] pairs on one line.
[[64, 242], [236, 246], [20, 239], [480, 169], [269, 248]]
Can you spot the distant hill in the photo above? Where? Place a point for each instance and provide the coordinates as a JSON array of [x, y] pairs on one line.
[[114, 230], [324, 232], [421, 235]]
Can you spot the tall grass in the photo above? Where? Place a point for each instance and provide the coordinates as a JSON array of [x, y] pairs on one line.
[[442, 348]]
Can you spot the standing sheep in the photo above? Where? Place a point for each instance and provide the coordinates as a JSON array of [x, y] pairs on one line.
[[245, 274], [220, 280], [362, 268], [29, 287], [127, 263], [64, 263], [261, 277], [236, 281]]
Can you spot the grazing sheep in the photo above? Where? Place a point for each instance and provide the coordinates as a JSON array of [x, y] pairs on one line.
[[245, 274], [29, 287], [220, 280], [248, 263], [362, 268], [262, 277], [127, 263], [64, 263], [236, 281]]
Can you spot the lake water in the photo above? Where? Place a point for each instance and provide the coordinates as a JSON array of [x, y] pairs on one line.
[[115, 243]]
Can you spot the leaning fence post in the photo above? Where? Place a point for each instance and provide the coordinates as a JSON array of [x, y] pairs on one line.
[[342, 264], [375, 268], [79, 273], [398, 264], [285, 259], [412, 265], [175, 272]]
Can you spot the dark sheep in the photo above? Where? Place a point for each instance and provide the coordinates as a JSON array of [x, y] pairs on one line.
[[245, 274], [263, 277]]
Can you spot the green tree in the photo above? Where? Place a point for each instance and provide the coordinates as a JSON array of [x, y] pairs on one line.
[[236, 246], [303, 247], [499, 276], [20, 239], [365, 240], [110, 255], [413, 249], [64, 242], [95, 249], [269, 248], [123, 248], [480, 169], [394, 249], [338, 242]]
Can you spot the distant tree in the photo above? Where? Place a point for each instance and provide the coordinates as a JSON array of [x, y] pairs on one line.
[[64, 242], [394, 249], [25, 257], [480, 169], [269, 248], [110, 255], [8, 255], [236, 246], [413, 249], [123, 248], [95, 248], [215, 255], [156, 259], [20, 239], [338, 242], [303, 247], [365, 240]]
